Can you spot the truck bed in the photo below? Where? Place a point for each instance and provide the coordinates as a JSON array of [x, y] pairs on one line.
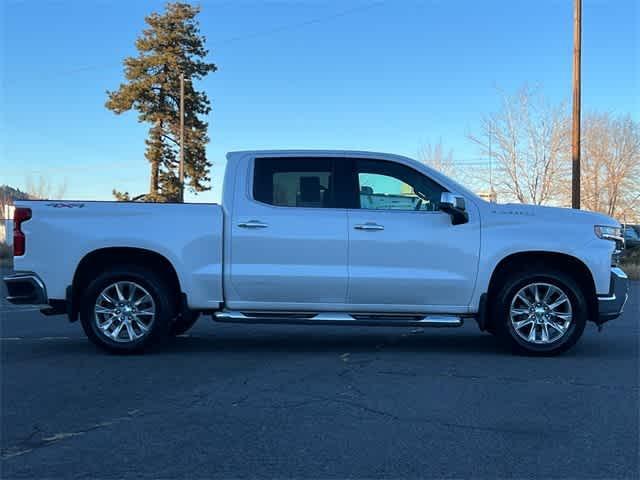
[[61, 233]]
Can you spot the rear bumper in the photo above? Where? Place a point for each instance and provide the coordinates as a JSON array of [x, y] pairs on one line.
[[611, 305], [25, 288]]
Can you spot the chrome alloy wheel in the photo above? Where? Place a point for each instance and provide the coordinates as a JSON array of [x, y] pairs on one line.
[[540, 313], [124, 311]]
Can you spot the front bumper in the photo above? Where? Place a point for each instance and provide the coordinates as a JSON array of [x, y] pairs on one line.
[[611, 305], [25, 288]]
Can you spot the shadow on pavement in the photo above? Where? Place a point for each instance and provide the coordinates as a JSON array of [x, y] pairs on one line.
[[282, 342]]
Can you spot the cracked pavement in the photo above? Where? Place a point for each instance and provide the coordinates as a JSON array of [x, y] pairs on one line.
[[235, 401]]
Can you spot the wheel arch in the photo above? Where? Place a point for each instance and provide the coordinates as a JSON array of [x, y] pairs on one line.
[[99, 258], [559, 261]]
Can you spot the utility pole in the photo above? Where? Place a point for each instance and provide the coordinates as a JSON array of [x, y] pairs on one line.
[[490, 162], [575, 130], [181, 166]]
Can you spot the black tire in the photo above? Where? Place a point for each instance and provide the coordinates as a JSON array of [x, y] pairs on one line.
[[156, 286], [184, 322], [509, 288]]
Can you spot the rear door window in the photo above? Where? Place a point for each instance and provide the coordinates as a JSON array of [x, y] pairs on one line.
[[294, 182]]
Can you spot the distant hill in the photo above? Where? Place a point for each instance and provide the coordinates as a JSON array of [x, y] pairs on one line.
[[9, 194]]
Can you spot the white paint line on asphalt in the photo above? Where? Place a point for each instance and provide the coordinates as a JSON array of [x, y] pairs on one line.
[[17, 310], [41, 339], [61, 436], [16, 453], [57, 437]]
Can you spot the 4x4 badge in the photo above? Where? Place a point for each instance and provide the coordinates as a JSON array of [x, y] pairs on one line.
[[65, 205]]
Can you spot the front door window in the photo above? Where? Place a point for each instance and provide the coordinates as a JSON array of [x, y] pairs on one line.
[[386, 185]]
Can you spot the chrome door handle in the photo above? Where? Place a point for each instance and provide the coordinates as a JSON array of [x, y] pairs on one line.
[[369, 226], [253, 224]]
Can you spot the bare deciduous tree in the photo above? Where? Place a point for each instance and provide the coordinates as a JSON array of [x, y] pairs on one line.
[[528, 141], [610, 168], [436, 158], [44, 189]]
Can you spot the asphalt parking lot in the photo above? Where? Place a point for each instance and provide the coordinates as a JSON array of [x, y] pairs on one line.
[[232, 401]]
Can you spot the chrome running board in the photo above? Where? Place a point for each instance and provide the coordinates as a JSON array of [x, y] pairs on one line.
[[339, 318]]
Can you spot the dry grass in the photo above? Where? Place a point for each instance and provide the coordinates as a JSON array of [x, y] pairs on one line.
[[6, 255], [632, 271], [630, 263]]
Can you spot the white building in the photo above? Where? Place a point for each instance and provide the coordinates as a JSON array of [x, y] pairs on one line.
[[489, 196], [6, 224]]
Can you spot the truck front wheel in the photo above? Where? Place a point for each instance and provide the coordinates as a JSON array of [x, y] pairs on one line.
[[540, 312], [127, 309]]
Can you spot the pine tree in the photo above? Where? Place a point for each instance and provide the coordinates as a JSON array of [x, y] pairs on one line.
[[171, 45]]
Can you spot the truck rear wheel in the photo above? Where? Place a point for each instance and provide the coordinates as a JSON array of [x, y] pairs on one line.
[[127, 309], [540, 312]]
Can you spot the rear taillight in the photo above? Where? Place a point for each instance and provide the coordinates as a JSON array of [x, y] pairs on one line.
[[20, 215]]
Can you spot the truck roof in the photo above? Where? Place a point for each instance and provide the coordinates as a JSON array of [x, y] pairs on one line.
[[313, 153]]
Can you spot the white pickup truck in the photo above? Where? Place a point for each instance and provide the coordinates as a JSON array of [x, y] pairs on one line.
[[320, 237]]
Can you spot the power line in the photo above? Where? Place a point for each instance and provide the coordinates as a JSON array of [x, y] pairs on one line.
[[258, 34], [293, 26]]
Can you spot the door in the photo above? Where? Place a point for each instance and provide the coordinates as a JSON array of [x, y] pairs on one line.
[[404, 253], [288, 241]]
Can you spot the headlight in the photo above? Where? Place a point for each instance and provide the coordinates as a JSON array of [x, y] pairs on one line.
[[609, 233], [613, 234]]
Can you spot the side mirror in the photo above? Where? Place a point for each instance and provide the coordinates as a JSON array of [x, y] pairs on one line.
[[455, 206]]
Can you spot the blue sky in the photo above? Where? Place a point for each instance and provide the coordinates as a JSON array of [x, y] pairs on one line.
[[374, 75]]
